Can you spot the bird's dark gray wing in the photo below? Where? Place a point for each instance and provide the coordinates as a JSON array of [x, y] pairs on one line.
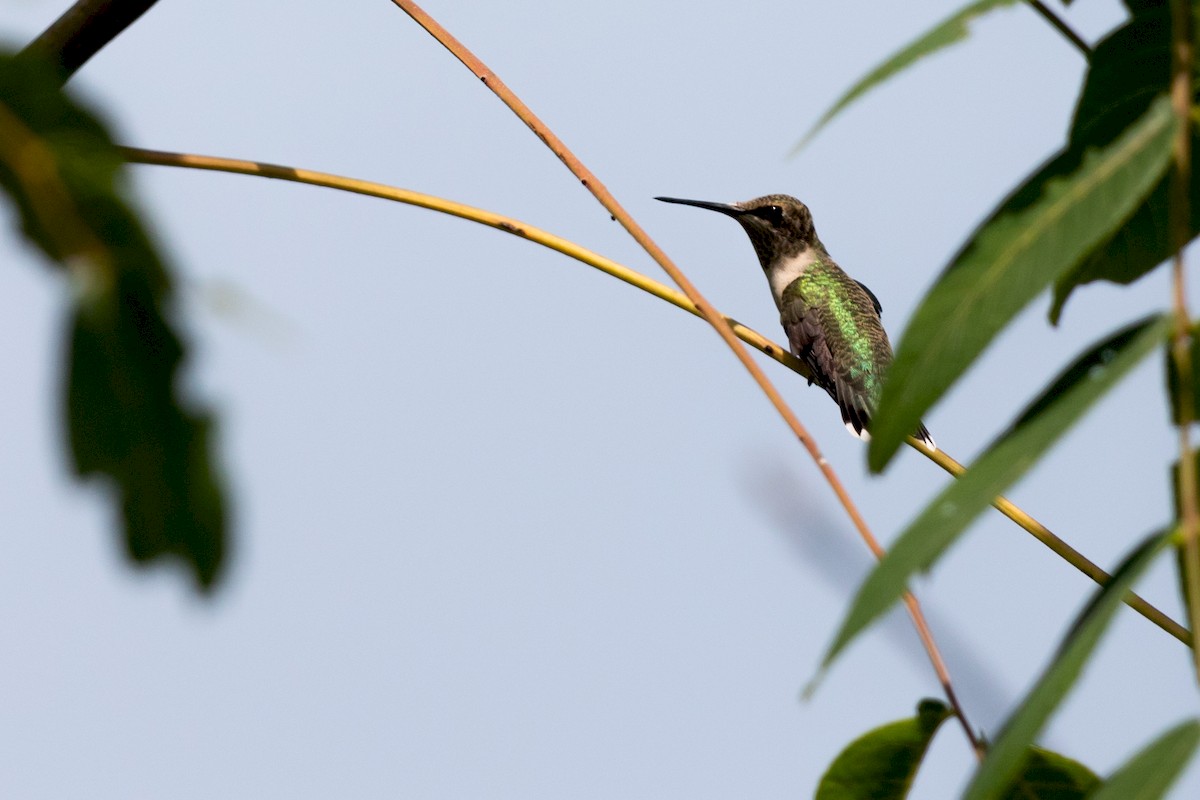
[[834, 363], [805, 328], [874, 300]]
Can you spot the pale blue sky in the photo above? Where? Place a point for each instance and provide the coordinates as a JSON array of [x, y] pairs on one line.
[[507, 528]]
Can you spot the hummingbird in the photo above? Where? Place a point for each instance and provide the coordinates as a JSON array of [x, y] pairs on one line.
[[833, 322]]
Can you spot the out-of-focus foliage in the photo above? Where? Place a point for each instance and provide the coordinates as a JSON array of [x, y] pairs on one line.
[[126, 416]]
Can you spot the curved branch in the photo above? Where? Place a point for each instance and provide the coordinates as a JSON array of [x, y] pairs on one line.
[[718, 323], [636, 279]]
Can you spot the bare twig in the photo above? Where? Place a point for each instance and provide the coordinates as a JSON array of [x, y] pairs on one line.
[[83, 29], [500, 222], [606, 199], [1062, 27]]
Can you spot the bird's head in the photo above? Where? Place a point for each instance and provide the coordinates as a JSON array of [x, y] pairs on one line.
[[779, 226]]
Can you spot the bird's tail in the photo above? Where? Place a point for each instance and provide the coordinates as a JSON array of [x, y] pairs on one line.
[[922, 433], [856, 415]]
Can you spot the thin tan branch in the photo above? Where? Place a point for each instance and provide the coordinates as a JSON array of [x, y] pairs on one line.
[[618, 213]]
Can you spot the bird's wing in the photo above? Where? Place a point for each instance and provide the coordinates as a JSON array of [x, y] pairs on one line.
[[874, 300], [805, 324]]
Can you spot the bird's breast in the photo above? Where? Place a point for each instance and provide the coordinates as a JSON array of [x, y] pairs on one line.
[[787, 270]]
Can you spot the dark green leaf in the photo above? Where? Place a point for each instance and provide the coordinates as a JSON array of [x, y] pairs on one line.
[[1150, 773], [1128, 69], [1006, 755], [952, 29], [1046, 419], [1007, 262], [125, 422], [125, 414], [1050, 776], [881, 764]]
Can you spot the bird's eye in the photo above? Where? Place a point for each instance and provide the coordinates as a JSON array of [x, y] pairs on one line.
[[772, 214]]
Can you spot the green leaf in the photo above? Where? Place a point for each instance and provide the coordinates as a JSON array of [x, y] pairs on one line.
[[1050, 776], [1128, 69], [881, 764], [1005, 756], [126, 417], [1150, 773], [1034, 432], [951, 30], [125, 421], [1007, 262]]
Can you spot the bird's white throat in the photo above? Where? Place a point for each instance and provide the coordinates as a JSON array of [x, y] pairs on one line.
[[787, 270]]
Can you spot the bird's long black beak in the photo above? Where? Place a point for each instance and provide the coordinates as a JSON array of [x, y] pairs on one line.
[[724, 208]]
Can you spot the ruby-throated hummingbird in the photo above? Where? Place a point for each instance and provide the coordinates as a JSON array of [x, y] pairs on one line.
[[832, 321]]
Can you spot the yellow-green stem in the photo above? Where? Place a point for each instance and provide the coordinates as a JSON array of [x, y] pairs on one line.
[[633, 278], [1058, 546], [1179, 222]]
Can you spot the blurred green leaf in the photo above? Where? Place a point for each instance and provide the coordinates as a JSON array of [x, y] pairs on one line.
[[951, 30], [1012, 257], [1050, 776], [1150, 773], [125, 421], [1034, 432], [1005, 756], [881, 764], [125, 414]]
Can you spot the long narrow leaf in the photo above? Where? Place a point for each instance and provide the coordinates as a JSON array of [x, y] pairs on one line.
[[949, 31], [1150, 773], [1007, 262], [1005, 756], [936, 528]]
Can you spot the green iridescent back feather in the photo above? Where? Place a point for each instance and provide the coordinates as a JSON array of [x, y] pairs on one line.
[[832, 324]]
